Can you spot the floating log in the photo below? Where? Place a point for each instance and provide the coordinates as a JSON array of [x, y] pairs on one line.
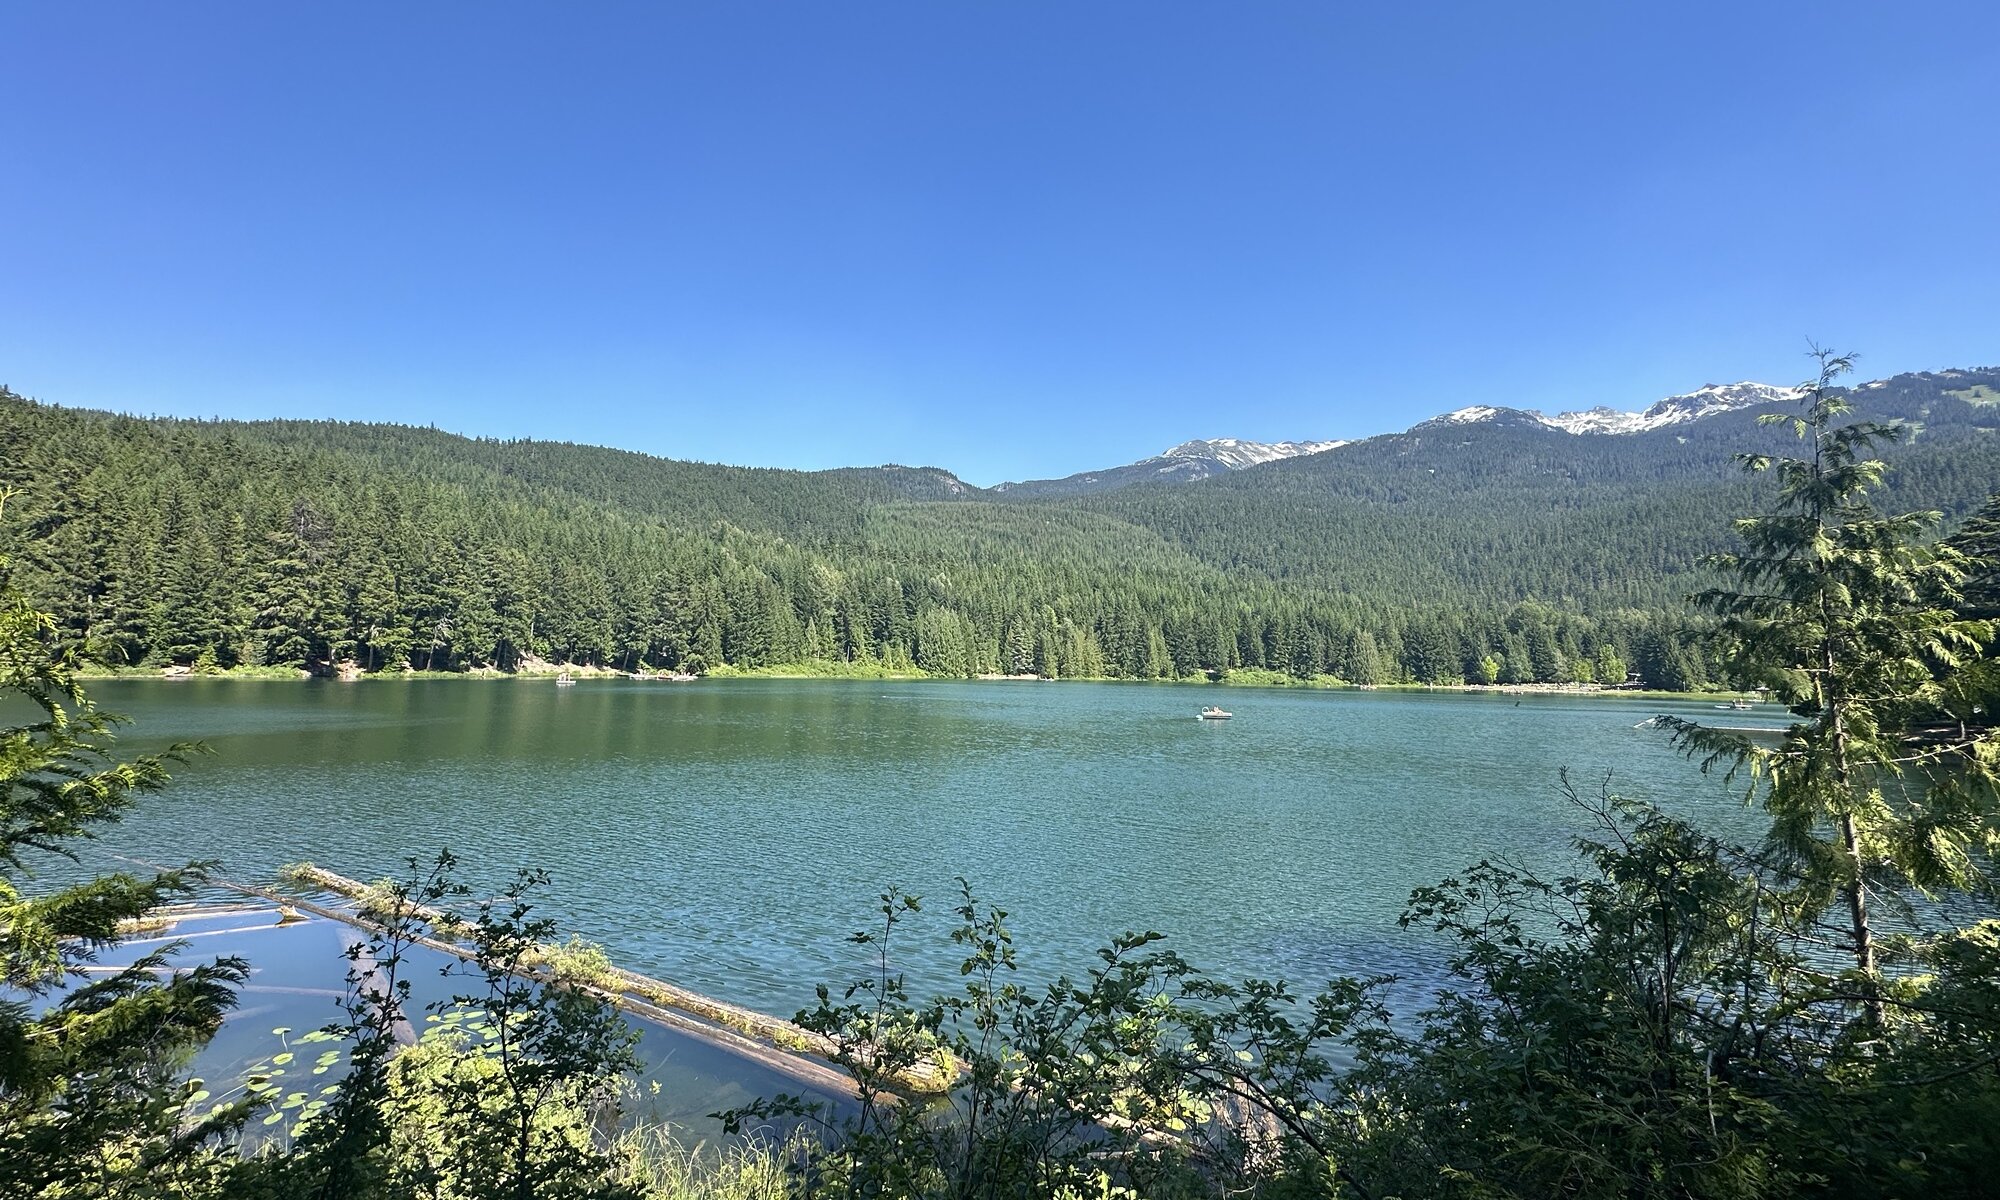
[[779, 1044]]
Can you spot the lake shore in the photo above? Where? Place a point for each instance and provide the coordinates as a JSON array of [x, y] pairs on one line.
[[1242, 679]]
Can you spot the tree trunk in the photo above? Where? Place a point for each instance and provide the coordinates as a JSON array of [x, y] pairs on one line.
[[1850, 842], [1857, 913]]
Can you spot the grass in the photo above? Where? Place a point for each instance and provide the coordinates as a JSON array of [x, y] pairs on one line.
[[655, 1165], [1261, 677], [395, 675], [380, 900], [1978, 393], [102, 671], [818, 669], [578, 963]]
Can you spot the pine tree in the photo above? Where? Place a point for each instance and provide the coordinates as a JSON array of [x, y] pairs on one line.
[[1018, 645], [942, 647], [186, 623], [1844, 614], [88, 1098], [1364, 660], [1979, 540], [297, 610]]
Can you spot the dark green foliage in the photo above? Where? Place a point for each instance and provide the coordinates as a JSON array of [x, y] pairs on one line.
[[1143, 1078], [1662, 1022], [1979, 541], [1849, 617], [1621, 1033], [307, 544], [90, 1099], [1488, 515], [94, 1099]]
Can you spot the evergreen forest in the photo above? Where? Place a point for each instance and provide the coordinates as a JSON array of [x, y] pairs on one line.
[[1668, 1016], [1498, 552]]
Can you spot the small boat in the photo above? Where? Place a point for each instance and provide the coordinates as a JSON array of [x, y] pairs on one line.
[[1212, 713], [563, 680], [1738, 705]]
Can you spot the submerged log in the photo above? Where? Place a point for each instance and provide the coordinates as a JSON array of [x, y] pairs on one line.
[[772, 1041]]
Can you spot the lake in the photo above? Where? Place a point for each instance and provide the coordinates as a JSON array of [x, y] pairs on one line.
[[729, 835]]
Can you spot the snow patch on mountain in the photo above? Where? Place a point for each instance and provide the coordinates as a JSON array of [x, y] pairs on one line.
[[1691, 406], [1236, 453], [1472, 414], [1205, 458]]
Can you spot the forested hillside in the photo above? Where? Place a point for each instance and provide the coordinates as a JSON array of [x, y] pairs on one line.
[[1493, 512], [1488, 551]]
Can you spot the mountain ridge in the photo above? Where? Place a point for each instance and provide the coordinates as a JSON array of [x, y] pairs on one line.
[[1419, 555], [1188, 462], [1705, 401], [1200, 459]]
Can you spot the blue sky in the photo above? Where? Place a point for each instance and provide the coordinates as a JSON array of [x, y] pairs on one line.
[[1013, 239]]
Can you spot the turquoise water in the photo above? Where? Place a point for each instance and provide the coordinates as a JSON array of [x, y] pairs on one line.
[[295, 984], [729, 835]]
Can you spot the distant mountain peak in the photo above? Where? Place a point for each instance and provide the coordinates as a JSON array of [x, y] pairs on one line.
[[937, 476], [1483, 414], [1204, 458], [1186, 463], [1704, 401], [916, 483], [1237, 453]]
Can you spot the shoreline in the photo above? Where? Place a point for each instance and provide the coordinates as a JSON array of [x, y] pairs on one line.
[[1261, 681]]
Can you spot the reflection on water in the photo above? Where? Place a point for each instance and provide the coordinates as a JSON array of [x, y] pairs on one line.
[[297, 977], [727, 836]]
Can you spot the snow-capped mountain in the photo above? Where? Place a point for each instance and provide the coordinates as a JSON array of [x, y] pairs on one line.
[[1692, 406], [1185, 463], [1235, 453], [1484, 414], [1702, 402], [1205, 458]]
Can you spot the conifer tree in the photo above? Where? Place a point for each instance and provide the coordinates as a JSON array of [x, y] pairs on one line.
[[1844, 613], [1979, 540], [295, 614], [88, 1104]]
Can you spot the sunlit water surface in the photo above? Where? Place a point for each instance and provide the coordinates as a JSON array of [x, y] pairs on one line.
[[730, 835]]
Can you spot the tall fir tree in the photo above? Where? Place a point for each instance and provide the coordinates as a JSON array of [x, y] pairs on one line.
[[1846, 615]]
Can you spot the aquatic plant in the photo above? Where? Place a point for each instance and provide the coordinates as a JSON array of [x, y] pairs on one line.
[[577, 963]]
